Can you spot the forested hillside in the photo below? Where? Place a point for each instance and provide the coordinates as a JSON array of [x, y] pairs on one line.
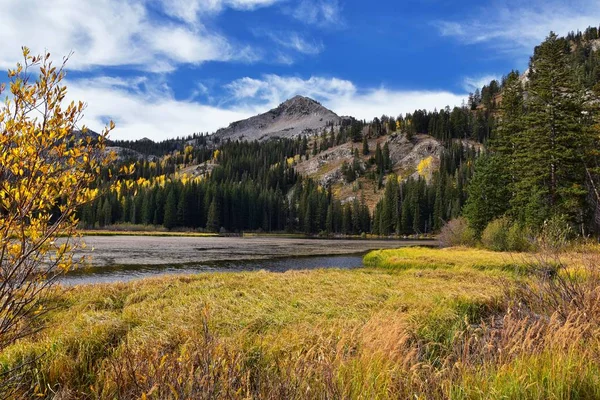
[[523, 147]]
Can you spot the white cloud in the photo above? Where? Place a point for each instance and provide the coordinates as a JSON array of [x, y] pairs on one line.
[[473, 83], [294, 41], [191, 10], [274, 89], [116, 33], [143, 107], [375, 102], [324, 13], [517, 27], [341, 96], [146, 111]]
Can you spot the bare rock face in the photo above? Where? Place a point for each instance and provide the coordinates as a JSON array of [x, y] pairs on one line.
[[297, 116], [408, 155]]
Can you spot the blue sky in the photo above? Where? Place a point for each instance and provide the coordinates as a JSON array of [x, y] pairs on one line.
[[163, 68]]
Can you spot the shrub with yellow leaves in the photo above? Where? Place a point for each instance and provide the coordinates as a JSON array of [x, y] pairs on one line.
[[47, 170], [425, 168]]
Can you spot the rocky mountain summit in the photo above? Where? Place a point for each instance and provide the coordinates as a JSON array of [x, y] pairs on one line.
[[297, 116]]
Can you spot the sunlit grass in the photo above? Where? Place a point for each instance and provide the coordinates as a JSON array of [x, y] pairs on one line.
[[416, 323], [98, 232], [450, 258]]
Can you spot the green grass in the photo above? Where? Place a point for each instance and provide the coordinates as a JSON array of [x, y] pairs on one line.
[[97, 232], [414, 323], [452, 258]]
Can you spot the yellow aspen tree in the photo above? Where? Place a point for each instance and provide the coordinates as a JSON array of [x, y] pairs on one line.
[[48, 168]]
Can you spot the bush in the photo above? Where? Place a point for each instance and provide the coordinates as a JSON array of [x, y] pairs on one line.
[[495, 235], [503, 235], [457, 233], [519, 238], [555, 235]]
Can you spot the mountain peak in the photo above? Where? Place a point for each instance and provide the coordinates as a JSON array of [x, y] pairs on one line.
[[300, 98], [297, 116]]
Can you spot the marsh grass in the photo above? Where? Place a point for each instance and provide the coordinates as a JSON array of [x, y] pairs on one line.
[[456, 258], [461, 330]]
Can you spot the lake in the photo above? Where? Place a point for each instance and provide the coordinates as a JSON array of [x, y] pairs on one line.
[[124, 258]]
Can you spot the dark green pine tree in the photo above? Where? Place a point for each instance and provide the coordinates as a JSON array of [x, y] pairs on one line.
[[438, 209], [406, 218], [487, 194], [377, 219], [87, 215], [170, 218], [389, 211], [356, 222], [387, 162], [346, 219], [148, 208], [417, 218], [551, 166], [379, 158], [213, 221], [365, 144], [508, 143], [329, 219], [183, 210], [159, 209], [100, 213], [127, 209], [107, 211]]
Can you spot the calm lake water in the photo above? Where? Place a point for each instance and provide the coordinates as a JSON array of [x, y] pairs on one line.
[[124, 273], [124, 258]]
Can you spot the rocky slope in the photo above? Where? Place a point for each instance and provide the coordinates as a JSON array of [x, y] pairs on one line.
[[296, 116]]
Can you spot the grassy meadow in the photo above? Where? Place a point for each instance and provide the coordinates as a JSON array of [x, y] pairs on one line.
[[413, 323]]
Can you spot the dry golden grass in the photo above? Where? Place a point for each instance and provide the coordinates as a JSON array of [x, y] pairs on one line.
[[450, 332]]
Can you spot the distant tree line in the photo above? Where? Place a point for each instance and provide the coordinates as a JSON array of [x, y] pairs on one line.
[[541, 161]]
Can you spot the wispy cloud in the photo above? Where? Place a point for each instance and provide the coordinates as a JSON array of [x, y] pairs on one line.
[[473, 83], [120, 33], [342, 96], [141, 110], [322, 13], [192, 10], [143, 107], [271, 89], [294, 41], [516, 27], [291, 41]]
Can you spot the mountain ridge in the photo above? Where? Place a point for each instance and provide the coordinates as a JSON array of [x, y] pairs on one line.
[[299, 115]]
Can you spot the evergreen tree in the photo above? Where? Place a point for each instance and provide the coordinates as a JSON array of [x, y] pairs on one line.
[[213, 221], [183, 210], [365, 148], [389, 210], [147, 209], [107, 211], [100, 213], [553, 144], [508, 142], [488, 194], [329, 219], [387, 162], [170, 218]]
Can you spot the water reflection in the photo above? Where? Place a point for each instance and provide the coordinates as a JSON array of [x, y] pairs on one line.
[[124, 273]]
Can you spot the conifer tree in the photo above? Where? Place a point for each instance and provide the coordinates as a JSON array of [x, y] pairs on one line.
[[387, 162], [379, 158], [365, 148], [212, 221], [553, 144], [488, 194], [329, 219], [107, 211], [170, 218]]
